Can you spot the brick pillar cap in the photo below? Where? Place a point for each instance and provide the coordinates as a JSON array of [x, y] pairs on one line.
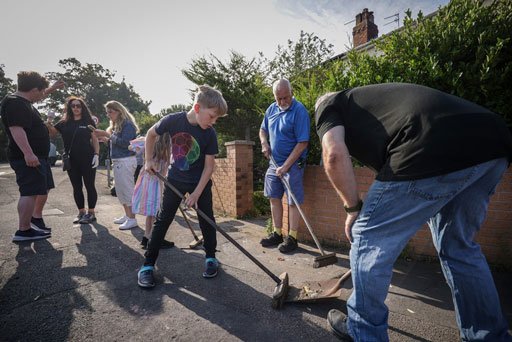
[[240, 142]]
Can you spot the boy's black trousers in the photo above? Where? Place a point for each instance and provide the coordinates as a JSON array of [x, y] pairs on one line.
[[165, 216]]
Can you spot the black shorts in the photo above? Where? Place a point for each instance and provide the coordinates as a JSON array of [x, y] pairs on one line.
[[33, 181]]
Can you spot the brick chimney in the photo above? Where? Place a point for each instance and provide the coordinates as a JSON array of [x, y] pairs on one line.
[[365, 29]]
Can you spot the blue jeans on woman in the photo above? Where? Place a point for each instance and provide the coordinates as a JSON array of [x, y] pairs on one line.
[[454, 205]]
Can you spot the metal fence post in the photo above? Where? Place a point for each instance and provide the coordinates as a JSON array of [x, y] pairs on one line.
[[109, 181]]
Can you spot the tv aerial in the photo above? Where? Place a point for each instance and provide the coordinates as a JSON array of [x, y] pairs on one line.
[[396, 19]]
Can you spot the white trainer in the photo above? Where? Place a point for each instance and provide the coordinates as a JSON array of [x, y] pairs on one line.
[[129, 224], [121, 220]]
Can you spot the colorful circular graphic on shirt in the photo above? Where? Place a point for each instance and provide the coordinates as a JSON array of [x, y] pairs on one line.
[[185, 150]]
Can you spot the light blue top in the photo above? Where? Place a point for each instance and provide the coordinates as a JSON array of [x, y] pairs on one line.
[[119, 141], [286, 129]]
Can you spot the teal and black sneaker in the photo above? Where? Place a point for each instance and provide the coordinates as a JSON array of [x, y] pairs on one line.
[[145, 277], [212, 266]]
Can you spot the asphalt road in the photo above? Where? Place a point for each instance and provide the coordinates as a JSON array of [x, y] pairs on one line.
[[81, 283]]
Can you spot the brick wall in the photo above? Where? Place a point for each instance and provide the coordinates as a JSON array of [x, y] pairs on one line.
[[233, 180], [325, 213]]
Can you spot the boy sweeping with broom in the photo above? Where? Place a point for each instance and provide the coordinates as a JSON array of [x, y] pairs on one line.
[[194, 146]]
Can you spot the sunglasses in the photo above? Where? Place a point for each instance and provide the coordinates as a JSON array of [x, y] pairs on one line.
[[76, 105]]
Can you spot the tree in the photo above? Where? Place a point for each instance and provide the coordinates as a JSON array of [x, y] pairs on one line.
[[174, 109], [241, 82], [246, 86], [306, 53], [6, 87], [145, 121], [96, 85], [6, 84]]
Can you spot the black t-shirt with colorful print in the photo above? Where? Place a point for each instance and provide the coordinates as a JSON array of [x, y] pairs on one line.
[[189, 145]]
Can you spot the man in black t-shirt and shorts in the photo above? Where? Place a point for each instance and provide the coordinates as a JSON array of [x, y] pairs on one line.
[[438, 159], [28, 148]]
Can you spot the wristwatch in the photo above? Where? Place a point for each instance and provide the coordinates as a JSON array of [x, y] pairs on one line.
[[355, 208]]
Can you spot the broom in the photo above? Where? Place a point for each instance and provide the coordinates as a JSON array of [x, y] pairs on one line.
[[280, 291], [324, 259], [197, 240]]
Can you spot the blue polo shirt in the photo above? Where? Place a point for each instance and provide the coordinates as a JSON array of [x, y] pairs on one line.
[[286, 129]]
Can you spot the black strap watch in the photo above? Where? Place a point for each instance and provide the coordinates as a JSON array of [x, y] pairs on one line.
[[355, 208]]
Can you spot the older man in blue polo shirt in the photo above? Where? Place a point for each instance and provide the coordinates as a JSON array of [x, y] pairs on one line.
[[284, 134]]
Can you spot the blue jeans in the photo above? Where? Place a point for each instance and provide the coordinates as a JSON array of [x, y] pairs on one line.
[[454, 205]]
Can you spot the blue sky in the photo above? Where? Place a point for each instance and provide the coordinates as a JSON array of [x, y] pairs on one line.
[[150, 42]]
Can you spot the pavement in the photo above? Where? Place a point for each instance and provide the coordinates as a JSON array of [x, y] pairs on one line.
[[81, 284]]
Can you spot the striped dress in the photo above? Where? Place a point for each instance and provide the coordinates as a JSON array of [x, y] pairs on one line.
[[147, 194]]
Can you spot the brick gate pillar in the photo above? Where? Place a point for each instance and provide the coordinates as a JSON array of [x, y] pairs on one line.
[[233, 179]]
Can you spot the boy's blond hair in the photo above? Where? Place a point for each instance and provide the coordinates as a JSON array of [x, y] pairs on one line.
[[211, 98]]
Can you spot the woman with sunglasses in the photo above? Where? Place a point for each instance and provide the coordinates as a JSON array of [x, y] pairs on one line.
[[83, 148]]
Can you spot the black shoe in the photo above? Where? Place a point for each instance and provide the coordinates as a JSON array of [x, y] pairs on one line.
[[30, 234], [337, 322], [145, 277], [38, 224], [78, 217], [87, 218], [166, 244], [212, 266], [144, 242], [272, 240], [289, 244]]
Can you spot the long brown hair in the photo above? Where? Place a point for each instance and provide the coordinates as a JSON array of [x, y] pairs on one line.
[[86, 113], [162, 150]]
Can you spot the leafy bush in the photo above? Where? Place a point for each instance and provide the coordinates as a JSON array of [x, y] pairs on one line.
[[464, 49], [261, 203], [269, 227]]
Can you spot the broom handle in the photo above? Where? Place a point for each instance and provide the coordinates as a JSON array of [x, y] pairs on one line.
[[294, 199], [188, 223], [226, 235], [338, 284]]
